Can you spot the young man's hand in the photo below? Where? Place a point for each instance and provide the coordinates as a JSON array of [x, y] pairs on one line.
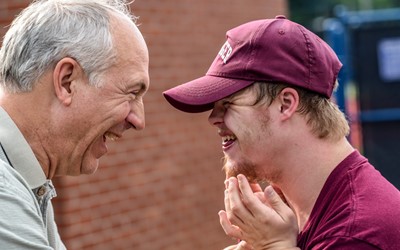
[[261, 219]]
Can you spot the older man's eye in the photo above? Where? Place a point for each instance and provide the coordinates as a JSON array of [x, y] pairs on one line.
[[134, 94]]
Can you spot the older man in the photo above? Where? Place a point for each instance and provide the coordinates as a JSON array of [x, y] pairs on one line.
[[72, 75]]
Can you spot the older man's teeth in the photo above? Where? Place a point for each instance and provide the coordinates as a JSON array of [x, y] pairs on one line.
[[111, 136]]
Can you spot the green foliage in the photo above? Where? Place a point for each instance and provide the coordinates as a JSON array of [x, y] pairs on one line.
[[305, 11]]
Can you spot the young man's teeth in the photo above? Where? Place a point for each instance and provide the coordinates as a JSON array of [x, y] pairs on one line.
[[228, 138], [111, 136]]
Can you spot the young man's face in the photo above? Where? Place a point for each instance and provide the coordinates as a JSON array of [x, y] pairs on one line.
[[247, 134]]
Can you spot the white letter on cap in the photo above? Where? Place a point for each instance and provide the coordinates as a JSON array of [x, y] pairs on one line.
[[225, 51]]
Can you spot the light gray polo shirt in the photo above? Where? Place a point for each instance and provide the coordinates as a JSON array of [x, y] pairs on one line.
[[26, 213]]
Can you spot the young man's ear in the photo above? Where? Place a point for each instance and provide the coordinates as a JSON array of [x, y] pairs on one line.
[[289, 102], [65, 74]]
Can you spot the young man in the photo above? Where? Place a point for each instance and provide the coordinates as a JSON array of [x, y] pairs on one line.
[[72, 75], [269, 89]]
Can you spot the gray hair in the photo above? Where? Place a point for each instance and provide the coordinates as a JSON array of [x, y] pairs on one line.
[[49, 30]]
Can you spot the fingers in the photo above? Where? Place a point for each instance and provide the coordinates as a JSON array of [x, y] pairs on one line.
[[259, 218], [255, 187], [232, 201], [241, 246], [245, 188], [241, 203], [255, 206], [230, 230], [231, 247], [280, 193], [244, 246], [234, 207], [250, 200], [277, 204]]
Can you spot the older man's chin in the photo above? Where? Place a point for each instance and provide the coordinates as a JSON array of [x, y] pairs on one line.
[[89, 166]]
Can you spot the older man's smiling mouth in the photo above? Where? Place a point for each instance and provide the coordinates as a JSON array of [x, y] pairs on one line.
[[111, 136]]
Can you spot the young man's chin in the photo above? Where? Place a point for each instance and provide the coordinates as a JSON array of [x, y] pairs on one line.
[[234, 169]]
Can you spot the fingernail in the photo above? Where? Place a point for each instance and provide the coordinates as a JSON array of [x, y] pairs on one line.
[[226, 183], [270, 191]]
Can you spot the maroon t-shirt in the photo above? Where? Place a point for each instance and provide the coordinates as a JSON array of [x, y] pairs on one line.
[[356, 209]]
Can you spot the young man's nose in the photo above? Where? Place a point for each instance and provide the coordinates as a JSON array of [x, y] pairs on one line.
[[217, 114]]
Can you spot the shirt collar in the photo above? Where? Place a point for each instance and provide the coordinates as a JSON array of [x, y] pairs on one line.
[[19, 152]]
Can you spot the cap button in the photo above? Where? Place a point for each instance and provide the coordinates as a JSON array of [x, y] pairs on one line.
[[280, 17]]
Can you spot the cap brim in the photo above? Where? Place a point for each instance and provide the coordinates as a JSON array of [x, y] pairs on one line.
[[200, 94]]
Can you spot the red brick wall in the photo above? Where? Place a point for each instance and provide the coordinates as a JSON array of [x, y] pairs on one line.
[[160, 188]]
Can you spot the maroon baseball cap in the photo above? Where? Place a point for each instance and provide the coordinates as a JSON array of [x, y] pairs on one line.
[[269, 50]]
